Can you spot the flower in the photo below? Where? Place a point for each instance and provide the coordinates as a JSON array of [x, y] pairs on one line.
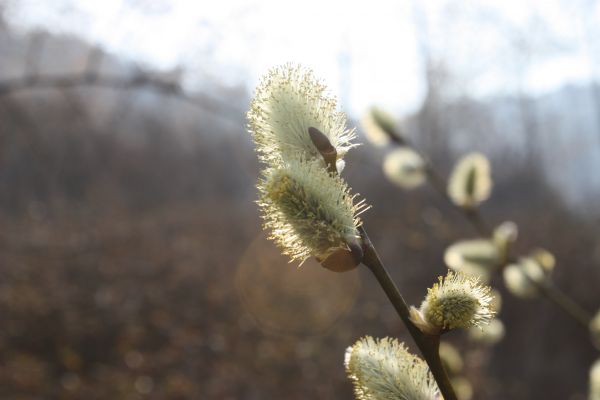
[[405, 167], [476, 257], [309, 211], [288, 101], [384, 369], [378, 126], [470, 182], [457, 301]]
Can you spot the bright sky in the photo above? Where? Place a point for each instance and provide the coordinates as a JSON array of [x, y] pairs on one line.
[[367, 52]]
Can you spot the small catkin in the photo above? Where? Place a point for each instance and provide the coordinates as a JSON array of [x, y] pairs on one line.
[[378, 125], [477, 257], [457, 301], [405, 168], [470, 182]]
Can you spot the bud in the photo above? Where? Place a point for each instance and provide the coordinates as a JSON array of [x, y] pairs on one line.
[[405, 168], [595, 381], [595, 330], [451, 358], [477, 257], [462, 388], [457, 301], [288, 101], [379, 126], [309, 211], [544, 258], [504, 236], [518, 277], [470, 182], [384, 369], [490, 334]]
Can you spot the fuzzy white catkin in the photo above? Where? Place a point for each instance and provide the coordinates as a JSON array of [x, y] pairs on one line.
[[536, 267], [405, 168], [288, 101], [477, 257], [470, 182], [309, 211], [376, 123], [544, 258], [457, 301], [384, 369]]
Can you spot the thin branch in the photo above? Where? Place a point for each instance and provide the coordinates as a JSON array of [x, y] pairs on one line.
[[427, 344], [137, 81], [478, 222], [558, 297], [564, 302]]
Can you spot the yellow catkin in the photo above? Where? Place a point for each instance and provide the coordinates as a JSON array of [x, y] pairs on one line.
[[457, 301]]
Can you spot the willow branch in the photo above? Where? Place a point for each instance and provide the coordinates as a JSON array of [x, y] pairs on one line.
[[478, 222], [558, 297], [564, 302], [427, 344]]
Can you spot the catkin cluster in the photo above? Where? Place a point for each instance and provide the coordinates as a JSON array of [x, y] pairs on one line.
[[307, 208]]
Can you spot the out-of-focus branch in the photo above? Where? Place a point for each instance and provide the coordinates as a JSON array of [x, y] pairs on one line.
[[137, 81], [564, 302], [478, 222], [558, 298]]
